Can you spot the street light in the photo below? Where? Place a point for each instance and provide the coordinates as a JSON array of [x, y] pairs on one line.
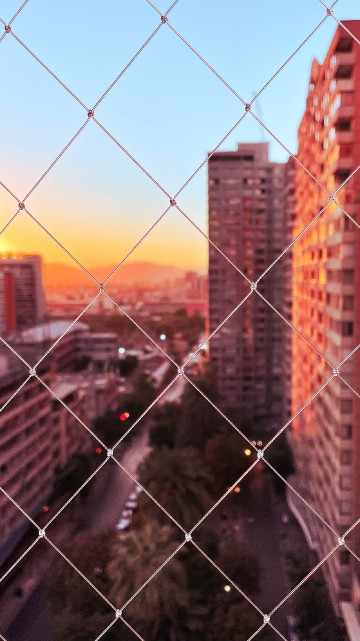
[[247, 452], [163, 337], [122, 350], [227, 588]]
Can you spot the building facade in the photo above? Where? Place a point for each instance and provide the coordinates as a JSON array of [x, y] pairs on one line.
[[246, 222], [26, 459], [326, 306], [22, 297]]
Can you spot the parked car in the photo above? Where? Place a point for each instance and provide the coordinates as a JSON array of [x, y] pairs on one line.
[[293, 627], [137, 490], [131, 504], [123, 523]]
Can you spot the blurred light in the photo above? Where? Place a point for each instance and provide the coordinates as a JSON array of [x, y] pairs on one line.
[[204, 346], [259, 443], [247, 452], [124, 416], [122, 350], [227, 588], [163, 337], [253, 442], [237, 489], [98, 450], [45, 508]]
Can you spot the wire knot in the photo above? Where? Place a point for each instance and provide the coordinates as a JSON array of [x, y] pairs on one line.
[[7, 28], [335, 371], [329, 12], [341, 540], [41, 534], [118, 614], [247, 107], [266, 618], [32, 371], [21, 205], [172, 202], [110, 453], [164, 19], [188, 537], [90, 113]]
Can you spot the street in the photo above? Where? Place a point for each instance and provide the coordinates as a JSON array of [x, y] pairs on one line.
[[254, 517], [104, 508]]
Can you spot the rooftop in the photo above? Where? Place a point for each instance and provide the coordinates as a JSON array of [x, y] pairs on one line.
[[49, 331]]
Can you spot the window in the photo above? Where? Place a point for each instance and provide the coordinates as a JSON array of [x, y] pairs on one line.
[[347, 328], [345, 431], [348, 276], [345, 457], [345, 482], [345, 507], [346, 406]]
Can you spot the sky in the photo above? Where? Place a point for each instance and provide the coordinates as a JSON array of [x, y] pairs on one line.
[[168, 111]]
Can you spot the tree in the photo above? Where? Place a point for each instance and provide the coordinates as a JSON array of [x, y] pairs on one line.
[[79, 613], [199, 420], [225, 457], [76, 472], [281, 458], [143, 394], [179, 481], [237, 622], [240, 565], [298, 566], [316, 623], [158, 611], [165, 421], [107, 427], [128, 364], [82, 363]]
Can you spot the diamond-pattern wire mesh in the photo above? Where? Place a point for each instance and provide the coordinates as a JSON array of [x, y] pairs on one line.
[[23, 210]]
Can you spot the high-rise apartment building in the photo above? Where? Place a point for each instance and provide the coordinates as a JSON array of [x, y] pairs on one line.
[[22, 298], [326, 309], [246, 222]]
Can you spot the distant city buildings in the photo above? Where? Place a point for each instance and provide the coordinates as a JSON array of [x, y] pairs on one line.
[[38, 434], [78, 341], [326, 309], [22, 297], [26, 448], [246, 222]]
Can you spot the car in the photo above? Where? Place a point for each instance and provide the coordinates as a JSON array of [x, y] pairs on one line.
[[126, 514], [131, 505], [123, 524], [133, 496], [293, 627]]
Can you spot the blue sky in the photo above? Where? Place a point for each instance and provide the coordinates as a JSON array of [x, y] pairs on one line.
[[168, 110]]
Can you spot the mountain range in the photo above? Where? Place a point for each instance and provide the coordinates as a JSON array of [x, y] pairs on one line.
[[139, 273]]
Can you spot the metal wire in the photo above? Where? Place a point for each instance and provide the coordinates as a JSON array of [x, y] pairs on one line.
[[24, 211]]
